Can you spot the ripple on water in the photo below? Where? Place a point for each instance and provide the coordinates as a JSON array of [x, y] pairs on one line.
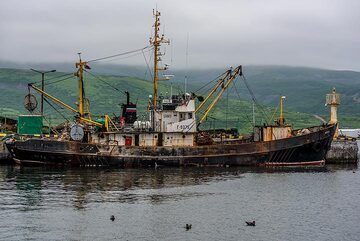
[[75, 204]]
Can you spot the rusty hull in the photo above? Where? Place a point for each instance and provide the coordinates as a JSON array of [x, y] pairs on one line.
[[310, 147]]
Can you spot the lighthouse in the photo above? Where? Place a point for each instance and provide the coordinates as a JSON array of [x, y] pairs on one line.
[[333, 100]]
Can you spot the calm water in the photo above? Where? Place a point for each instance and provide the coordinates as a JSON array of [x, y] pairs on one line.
[[308, 204]]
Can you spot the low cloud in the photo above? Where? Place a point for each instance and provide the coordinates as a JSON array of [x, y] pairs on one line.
[[314, 33]]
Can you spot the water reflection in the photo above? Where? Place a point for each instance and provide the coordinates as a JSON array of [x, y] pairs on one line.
[[37, 187]]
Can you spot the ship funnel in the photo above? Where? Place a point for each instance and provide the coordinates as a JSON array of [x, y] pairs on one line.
[[127, 97]]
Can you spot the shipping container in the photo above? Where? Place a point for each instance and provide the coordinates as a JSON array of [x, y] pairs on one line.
[[30, 124]]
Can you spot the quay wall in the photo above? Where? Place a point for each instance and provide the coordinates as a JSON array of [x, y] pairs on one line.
[[343, 151]]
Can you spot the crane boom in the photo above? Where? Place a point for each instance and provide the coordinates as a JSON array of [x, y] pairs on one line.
[[56, 100], [220, 82], [226, 82]]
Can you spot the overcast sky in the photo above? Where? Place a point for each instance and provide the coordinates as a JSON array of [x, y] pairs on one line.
[[315, 33]]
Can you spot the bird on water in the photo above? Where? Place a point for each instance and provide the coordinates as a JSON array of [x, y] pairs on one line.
[[250, 223], [188, 226], [112, 218]]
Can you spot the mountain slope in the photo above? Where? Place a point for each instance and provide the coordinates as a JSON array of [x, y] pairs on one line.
[[304, 88]]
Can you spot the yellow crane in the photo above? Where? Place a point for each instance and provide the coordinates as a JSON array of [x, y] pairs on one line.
[[224, 83], [213, 90], [56, 100], [81, 65]]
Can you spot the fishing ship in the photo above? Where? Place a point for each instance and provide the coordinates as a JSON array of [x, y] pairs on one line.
[[171, 135]]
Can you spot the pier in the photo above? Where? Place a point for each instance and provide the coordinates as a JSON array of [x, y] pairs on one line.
[[4, 154], [344, 148], [343, 151]]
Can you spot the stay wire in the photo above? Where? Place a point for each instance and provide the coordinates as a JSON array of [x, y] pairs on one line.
[[48, 121], [55, 77], [56, 109], [254, 98], [211, 81], [239, 98], [127, 56], [112, 86], [273, 115], [147, 64], [60, 80], [119, 54]]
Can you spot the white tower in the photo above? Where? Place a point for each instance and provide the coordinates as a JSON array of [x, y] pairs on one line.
[[333, 100]]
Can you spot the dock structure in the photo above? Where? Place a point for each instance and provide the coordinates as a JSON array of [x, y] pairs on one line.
[[7, 125], [344, 149], [4, 153]]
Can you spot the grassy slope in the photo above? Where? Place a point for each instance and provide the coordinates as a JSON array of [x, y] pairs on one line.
[[305, 87], [103, 98], [307, 97]]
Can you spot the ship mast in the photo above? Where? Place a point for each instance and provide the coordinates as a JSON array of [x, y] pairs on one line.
[[156, 41], [281, 119], [81, 114], [80, 74]]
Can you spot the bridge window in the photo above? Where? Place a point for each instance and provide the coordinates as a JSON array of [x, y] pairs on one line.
[[182, 116]]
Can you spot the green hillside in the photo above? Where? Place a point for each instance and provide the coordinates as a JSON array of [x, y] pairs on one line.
[[104, 98], [305, 87], [106, 93]]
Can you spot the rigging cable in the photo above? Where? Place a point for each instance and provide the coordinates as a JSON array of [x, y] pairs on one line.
[[273, 115], [55, 77], [120, 54], [147, 64], [48, 122], [210, 81], [254, 98], [57, 81], [112, 86], [56, 109], [237, 92], [127, 56]]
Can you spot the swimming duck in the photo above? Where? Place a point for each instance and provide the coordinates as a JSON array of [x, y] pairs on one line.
[[250, 223]]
